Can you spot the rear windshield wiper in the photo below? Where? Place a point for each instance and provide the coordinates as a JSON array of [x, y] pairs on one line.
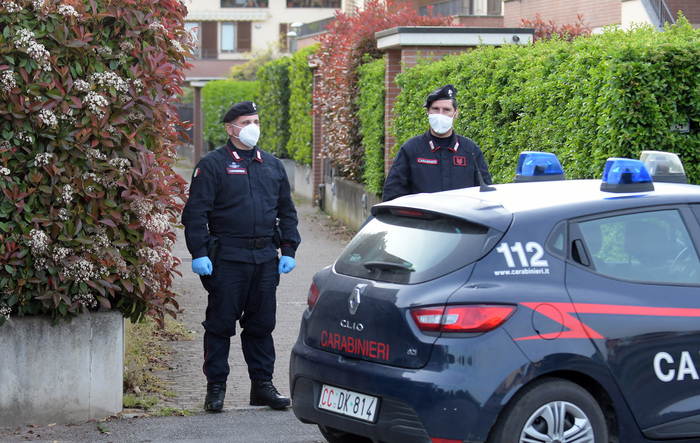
[[388, 266]]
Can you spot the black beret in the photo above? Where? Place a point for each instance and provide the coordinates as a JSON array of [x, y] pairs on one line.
[[447, 92], [240, 108]]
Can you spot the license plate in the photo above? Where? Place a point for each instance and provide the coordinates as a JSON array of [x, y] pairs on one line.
[[348, 403]]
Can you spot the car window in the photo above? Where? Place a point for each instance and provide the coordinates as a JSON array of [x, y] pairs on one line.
[[402, 249], [696, 210], [648, 246]]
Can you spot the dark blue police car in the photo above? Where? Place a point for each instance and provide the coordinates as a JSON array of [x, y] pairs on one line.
[[545, 311]]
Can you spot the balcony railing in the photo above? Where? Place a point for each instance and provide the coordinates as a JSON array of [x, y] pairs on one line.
[[464, 7], [662, 12]]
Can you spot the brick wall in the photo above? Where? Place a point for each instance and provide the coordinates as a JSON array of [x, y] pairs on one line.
[[317, 146], [690, 8], [596, 13]]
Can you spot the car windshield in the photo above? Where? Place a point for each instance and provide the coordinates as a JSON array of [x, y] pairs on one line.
[[400, 249]]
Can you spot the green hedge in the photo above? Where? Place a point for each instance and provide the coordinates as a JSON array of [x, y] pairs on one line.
[[273, 78], [609, 95], [299, 145], [372, 91], [217, 98]]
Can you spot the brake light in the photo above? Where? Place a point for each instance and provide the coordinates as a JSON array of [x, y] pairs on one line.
[[413, 213], [312, 297], [465, 318]]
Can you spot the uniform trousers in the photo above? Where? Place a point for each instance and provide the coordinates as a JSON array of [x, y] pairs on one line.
[[244, 293]]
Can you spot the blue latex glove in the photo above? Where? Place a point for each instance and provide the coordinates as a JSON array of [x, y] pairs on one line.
[[202, 266], [286, 264]]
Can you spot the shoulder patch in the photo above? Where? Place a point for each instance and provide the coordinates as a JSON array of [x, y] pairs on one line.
[[196, 172]]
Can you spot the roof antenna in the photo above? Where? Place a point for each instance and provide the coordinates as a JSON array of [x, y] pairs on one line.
[[483, 187]]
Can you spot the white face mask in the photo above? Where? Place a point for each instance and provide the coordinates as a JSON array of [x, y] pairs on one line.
[[249, 135], [440, 123]]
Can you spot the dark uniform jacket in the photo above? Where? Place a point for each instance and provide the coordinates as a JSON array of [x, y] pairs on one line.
[[234, 199], [422, 165]]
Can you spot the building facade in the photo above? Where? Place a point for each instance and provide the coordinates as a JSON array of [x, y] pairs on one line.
[[598, 14], [229, 30]]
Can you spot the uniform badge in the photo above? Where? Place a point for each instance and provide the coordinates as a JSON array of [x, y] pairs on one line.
[[196, 172], [236, 171], [427, 161], [459, 161]]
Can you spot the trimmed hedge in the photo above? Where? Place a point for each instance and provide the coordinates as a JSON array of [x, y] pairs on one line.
[[301, 81], [372, 91], [273, 82], [217, 97], [88, 136], [608, 95]]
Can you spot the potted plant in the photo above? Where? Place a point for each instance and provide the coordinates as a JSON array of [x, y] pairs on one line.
[[88, 136]]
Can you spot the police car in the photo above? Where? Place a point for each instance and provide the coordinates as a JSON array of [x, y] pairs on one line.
[[537, 311]]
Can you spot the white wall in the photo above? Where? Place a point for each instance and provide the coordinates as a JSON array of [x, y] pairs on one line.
[[64, 373], [633, 12]]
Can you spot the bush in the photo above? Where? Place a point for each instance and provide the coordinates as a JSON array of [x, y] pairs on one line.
[[372, 91], [548, 30], [87, 116], [217, 97], [273, 78], [350, 42], [301, 83]]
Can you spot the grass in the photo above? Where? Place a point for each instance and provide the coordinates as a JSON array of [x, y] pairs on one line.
[[147, 352]]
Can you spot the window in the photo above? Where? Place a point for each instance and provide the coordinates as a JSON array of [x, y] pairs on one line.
[[335, 4], [228, 37], [412, 249], [646, 247], [244, 3]]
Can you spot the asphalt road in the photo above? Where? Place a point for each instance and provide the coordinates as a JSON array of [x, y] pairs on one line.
[[238, 425]]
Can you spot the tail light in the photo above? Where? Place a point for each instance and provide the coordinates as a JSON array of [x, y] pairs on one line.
[[312, 297], [462, 318]]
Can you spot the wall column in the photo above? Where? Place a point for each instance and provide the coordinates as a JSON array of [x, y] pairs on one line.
[[197, 120]]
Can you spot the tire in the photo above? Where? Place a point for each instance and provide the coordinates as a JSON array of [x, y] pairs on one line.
[[532, 415], [334, 436]]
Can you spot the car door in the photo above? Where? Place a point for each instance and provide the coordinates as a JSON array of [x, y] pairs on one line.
[[634, 280]]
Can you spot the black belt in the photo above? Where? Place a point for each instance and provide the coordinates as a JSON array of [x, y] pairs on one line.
[[247, 243]]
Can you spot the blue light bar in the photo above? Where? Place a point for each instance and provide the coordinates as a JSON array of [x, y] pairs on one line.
[[626, 175], [664, 166], [538, 166]]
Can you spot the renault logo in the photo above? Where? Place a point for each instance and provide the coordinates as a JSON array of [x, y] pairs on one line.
[[354, 300]]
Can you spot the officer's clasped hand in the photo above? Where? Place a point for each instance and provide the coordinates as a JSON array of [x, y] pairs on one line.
[[286, 264], [202, 266]]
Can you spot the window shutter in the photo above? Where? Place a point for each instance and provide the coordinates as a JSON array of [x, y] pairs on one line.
[[209, 44], [244, 36]]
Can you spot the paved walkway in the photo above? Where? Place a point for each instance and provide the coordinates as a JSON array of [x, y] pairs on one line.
[[321, 244]]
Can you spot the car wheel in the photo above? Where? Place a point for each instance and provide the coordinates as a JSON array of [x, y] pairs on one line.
[[335, 436], [551, 410]]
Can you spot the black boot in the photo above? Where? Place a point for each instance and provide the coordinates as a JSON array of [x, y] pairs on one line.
[[214, 400], [263, 393]]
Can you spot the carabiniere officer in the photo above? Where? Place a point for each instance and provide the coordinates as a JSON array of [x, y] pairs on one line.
[[440, 159], [239, 213]]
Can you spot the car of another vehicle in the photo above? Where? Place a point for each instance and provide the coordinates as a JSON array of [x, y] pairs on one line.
[[536, 311]]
